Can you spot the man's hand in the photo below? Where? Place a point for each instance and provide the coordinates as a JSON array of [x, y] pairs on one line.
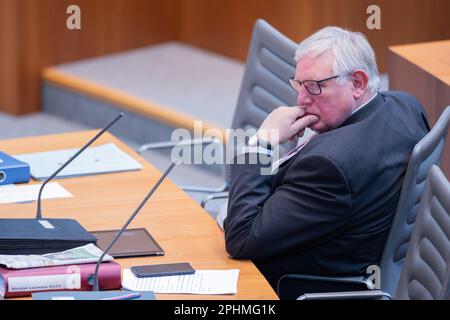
[[285, 123]]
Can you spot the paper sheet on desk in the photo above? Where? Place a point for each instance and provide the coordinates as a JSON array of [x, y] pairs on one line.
[[202, 282], [30, 193], [106, 158]]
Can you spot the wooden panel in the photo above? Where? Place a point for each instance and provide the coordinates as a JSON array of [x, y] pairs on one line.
[[225, 26], [424, 70], [183, 229], [33, 32], [8, 56], [432, 57], [38, 30], [419, 83]]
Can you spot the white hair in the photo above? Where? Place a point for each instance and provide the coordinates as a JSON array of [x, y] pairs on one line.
[[350, 50]]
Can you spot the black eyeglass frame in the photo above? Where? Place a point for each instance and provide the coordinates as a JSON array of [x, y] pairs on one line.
[[291, 80]]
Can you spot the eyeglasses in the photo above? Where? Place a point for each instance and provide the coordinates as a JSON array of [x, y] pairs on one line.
[[312, 86]]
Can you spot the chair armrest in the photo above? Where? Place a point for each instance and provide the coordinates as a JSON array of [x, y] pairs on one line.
[[213, 196], [291, 286], [171, 144], [183, 143], [220, 189], [367, 294]]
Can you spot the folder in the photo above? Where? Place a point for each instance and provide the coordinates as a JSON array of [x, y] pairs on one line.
[[13, 170], [35, 236], [23, 282]]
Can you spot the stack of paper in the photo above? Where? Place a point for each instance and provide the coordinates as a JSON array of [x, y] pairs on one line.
[[85, 254], [33, 236], [202, 282], [12, 193]]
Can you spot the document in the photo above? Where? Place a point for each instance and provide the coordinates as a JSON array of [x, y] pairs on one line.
[[7, 186], [201, 282], [85, 254], [95, 160], [10, 194]]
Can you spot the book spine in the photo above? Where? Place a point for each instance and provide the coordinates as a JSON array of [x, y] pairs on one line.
[[73, 277], [26, 285]]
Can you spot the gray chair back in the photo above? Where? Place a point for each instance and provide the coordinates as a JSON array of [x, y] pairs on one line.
[[265, 86], [426, 271], [270, 63], [426, 153]]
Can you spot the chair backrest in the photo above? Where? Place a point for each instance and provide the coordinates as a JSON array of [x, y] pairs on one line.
[[270, 63], [426, 153], [426, 271]]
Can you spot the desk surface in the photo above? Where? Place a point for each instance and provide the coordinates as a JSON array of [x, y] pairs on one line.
[[433, 57], [184, 230]]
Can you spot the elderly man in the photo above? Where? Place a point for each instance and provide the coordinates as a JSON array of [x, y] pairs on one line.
[[328, 209]]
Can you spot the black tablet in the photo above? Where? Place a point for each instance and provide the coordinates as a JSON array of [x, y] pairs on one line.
[[132, 243]]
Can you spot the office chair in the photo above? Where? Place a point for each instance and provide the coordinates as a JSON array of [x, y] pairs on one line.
[[270, 62], [427, 152], [426, 271]]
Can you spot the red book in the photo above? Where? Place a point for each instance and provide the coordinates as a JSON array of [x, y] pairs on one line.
[[23, 282]]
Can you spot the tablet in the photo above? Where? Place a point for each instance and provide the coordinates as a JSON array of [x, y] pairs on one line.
[[132, 243]]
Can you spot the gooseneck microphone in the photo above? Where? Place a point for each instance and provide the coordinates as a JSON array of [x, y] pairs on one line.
[[39, 211], [93, 278], [20, 236]]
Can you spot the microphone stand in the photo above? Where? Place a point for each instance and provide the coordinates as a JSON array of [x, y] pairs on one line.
[[39, 211], [93, 279]]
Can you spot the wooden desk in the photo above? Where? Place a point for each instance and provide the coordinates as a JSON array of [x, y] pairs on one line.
[[184, 230], [423, 69]]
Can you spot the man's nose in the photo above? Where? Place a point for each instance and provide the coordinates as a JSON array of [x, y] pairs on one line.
[[304, 97]]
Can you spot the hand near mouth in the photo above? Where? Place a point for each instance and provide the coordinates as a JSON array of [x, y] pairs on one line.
[[285, 123]]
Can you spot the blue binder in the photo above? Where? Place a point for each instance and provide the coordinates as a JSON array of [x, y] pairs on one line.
[[13, 170]]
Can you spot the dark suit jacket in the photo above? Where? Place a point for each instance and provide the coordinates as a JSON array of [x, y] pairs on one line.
[[328, 209]]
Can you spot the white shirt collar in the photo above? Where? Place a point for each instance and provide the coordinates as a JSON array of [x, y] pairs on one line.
[[365, 104]]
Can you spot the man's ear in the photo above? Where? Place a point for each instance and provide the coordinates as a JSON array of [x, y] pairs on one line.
[[360, 80]]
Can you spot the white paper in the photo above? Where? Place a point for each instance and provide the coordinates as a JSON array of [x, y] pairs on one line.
[[7, 186], [202, 282], [30, 193], [102, 159], [42, 283], [63, 298]]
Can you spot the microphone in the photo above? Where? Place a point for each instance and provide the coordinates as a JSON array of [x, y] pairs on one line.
[[39, 212], [38, 236], [93, 278]]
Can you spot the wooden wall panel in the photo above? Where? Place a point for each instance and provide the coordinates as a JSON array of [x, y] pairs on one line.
[[225, 26], [8, 57], [41, 38], [33, 33]]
